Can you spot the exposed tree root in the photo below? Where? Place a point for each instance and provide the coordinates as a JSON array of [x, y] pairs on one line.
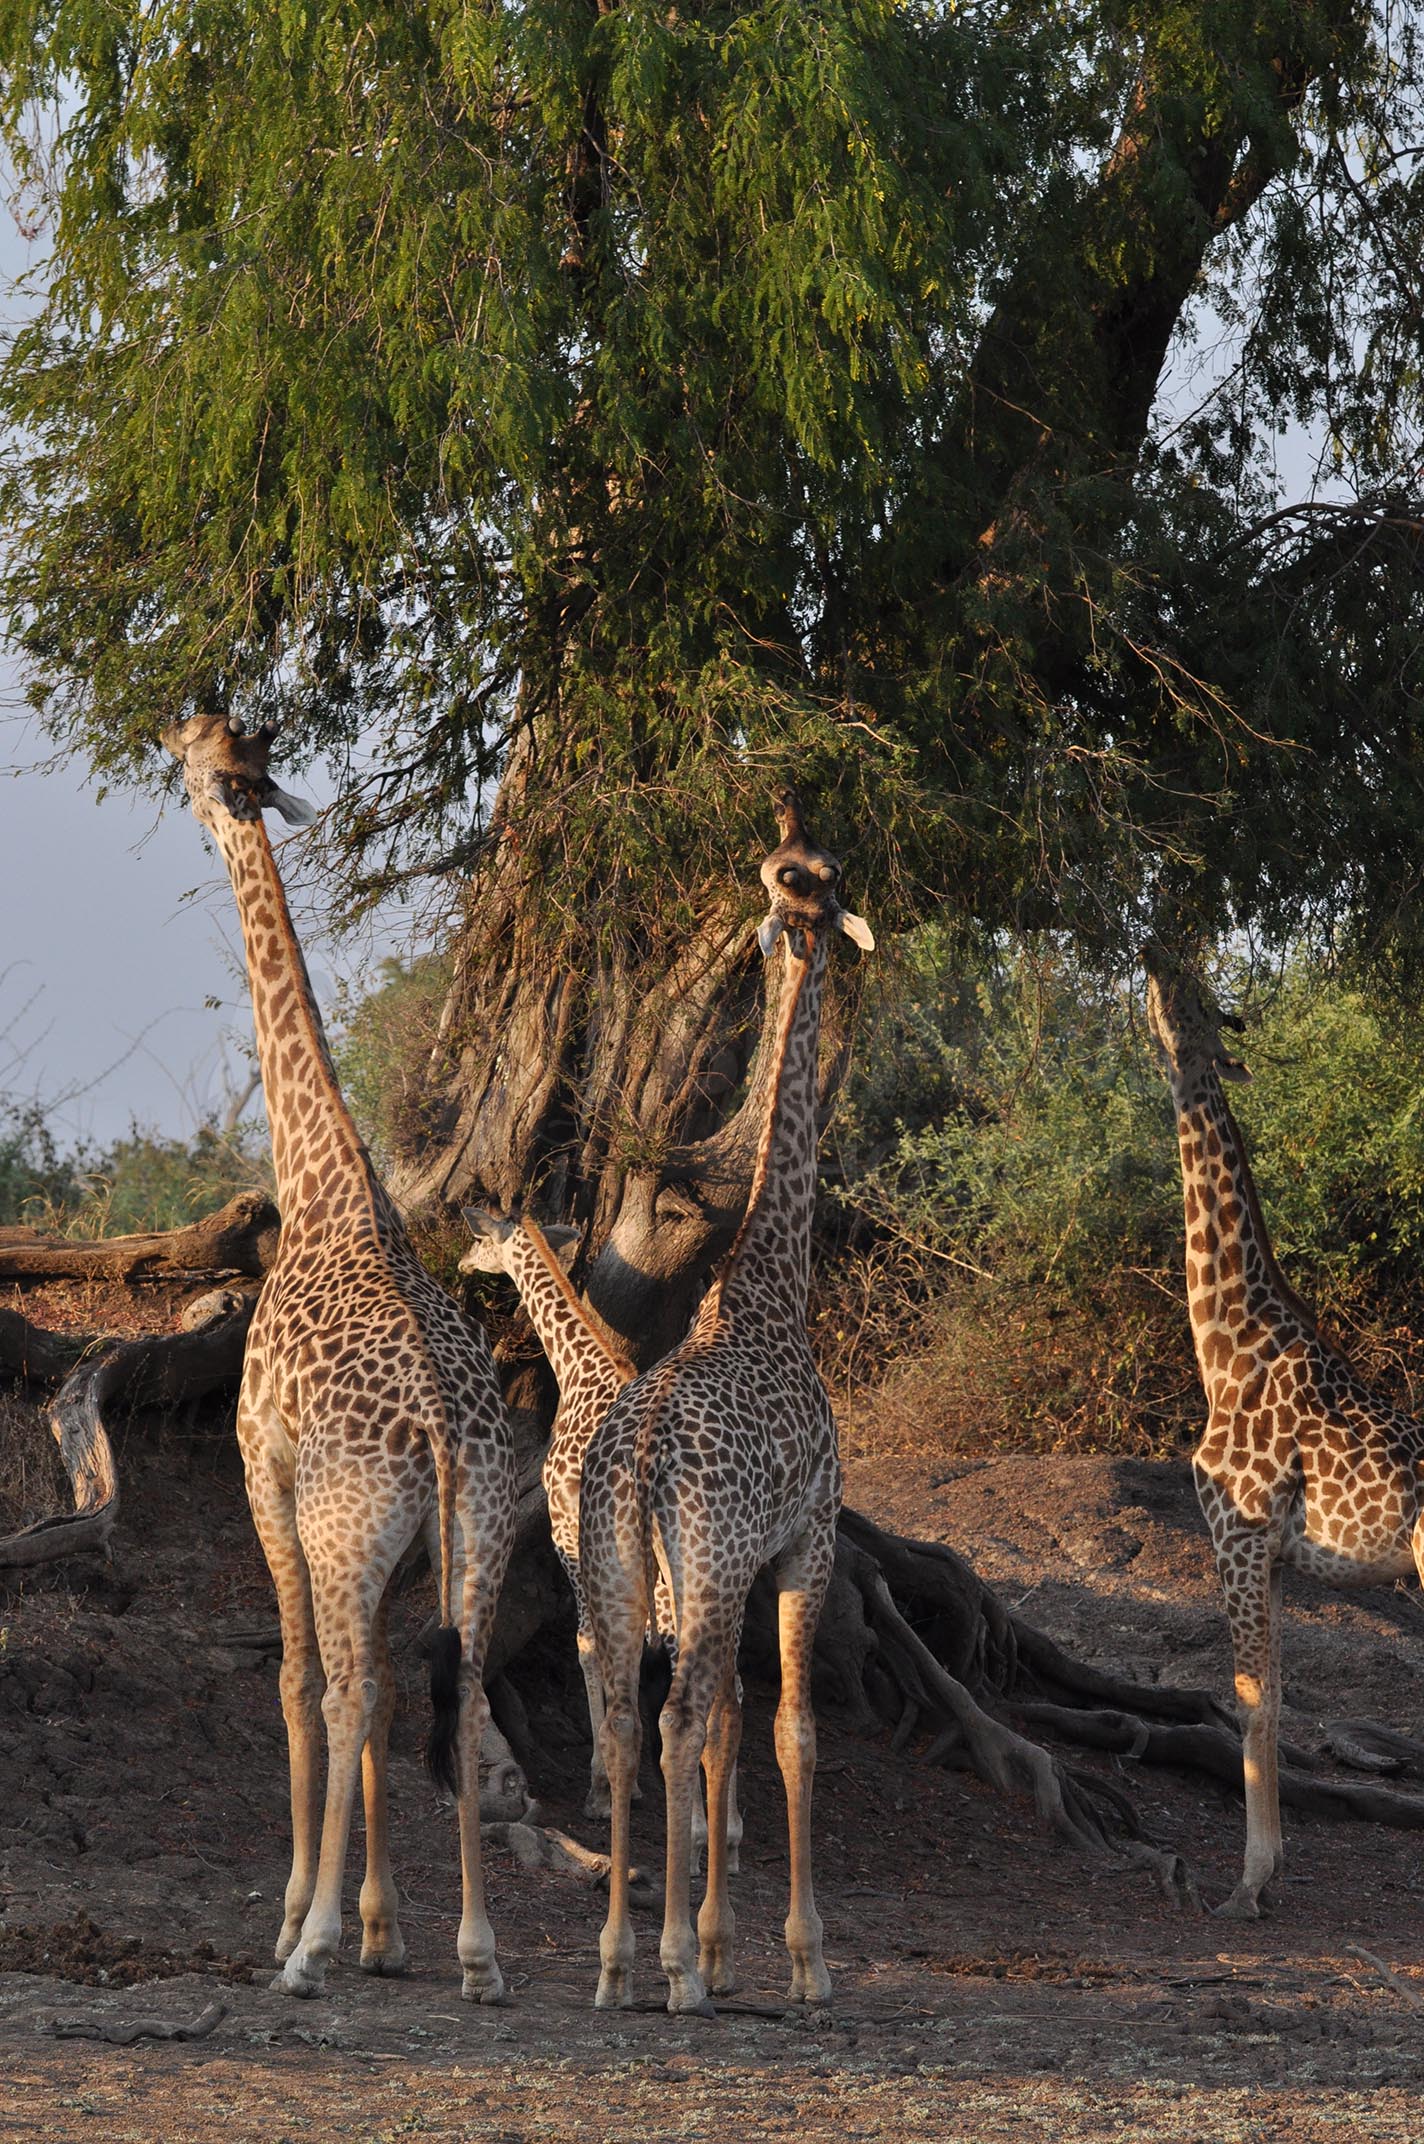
[[122, 2032]]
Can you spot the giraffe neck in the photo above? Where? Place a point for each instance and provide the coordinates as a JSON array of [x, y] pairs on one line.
[[315, 1143], [769, 1265], [1236, 1292], [569, 1338]]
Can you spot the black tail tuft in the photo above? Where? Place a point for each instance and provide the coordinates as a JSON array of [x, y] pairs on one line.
[[442, 1759]]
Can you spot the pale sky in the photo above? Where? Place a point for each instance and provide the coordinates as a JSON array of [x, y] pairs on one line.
[[118, 927]]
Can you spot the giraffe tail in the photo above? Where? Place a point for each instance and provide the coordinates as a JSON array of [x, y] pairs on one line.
[[442, 1744], [442, 1756]]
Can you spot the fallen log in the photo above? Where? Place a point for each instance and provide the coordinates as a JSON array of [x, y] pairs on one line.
[[156, 1371], [240, 1238]]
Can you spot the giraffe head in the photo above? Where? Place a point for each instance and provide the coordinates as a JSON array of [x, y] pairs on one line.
[[1186, 1023], [802, 880], [225, 771], [495, 1236]]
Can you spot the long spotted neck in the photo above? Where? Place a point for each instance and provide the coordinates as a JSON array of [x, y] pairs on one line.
[[314, 1140], [578, 1353], [1236, 1293], [768, 1268]]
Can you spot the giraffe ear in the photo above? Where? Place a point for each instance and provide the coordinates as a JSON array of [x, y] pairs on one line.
[[486, 1253], [857, 930], [295, 810], [768, 933], [563, 1240], [1232, 1071]]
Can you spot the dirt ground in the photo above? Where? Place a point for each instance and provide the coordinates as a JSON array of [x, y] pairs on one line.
[[989, 1984]]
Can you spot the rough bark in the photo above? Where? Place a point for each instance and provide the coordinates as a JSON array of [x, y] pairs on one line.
[[241, 1238]]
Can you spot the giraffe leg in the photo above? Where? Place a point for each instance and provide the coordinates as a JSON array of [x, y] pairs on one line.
[[599, 1802], [716, 1923], [798, 1607], [351, 1553], [267, 1456], [622, 1735], [683, 1725], [1251, 1581], [382, 1944], [475, 1944], [734, 1813]]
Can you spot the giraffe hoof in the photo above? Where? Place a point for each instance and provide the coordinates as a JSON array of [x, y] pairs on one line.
[[706, 2008], [384, 1964], [303, 1985], [1241, 1906], [485, 1988]]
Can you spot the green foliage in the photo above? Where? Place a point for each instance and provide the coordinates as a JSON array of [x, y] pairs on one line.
[[700, 395], [1016, 1127], [383, 1049], [1005, 1269], [31, 1168], [141, 1182]]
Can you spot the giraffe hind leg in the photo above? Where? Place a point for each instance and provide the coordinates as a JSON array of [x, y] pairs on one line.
[[382, 1944]]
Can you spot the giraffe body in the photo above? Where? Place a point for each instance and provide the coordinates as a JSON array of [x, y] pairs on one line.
[[1301, 1465], [719, 1461], [590, 1374], [369, 1415]]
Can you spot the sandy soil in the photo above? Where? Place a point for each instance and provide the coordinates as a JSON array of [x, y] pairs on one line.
[[988, 1984]]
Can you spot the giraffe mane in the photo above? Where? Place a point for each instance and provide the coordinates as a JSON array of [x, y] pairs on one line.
[[567, 1290]]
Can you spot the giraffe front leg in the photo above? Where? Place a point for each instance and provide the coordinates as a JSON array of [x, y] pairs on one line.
[[716, 1923], [1251, 1581], [475, 1945], [599, 1802], [683, 1725], [382, 1944], [796, 1754]]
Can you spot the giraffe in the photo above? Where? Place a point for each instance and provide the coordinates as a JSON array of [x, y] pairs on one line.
[[369, 1414], [1301, 1464], [590, 1374], [717, 1461]]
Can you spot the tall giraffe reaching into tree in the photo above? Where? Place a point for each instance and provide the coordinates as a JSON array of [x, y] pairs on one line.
[[590, 1374], [719, 1460], [369, 1413], [1301, 1463]]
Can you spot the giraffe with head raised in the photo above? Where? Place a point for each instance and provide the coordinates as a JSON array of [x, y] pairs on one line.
[[1301, 1464], [590, 1373], [718, 1461], [369, 1414]]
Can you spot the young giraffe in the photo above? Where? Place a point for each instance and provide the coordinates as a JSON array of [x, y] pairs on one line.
[[720, 1459], [1301, 1463], [369, 1412], [590, 1375]]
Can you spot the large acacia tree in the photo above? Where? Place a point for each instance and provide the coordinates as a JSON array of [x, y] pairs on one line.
[[596, 412]]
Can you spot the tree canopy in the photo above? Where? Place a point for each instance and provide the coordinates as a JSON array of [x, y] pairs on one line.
[[640, 402]]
